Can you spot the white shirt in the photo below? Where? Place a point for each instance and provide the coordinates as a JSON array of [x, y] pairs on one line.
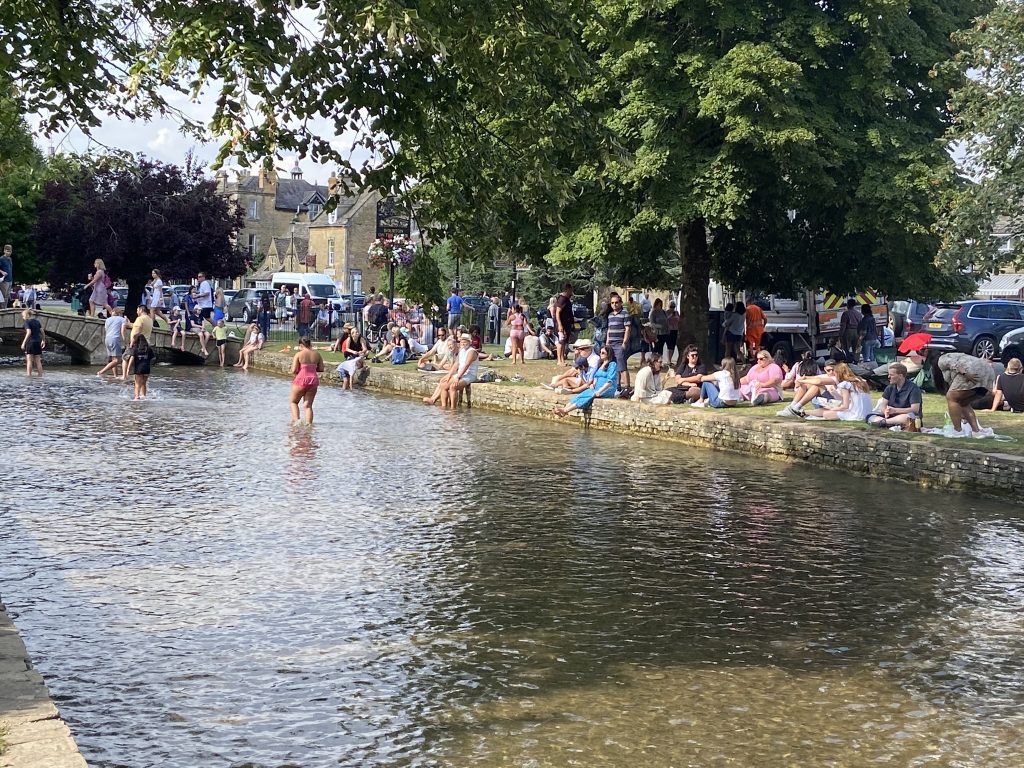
[[205, 302], [156, 298], [726, 388]]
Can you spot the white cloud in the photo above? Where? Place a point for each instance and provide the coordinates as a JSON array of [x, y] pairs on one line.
[[163, 138]]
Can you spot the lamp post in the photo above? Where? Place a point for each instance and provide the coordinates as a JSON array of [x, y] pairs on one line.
[[291, 250]]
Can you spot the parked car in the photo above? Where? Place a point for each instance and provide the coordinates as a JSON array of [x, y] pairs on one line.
[[350, 303], [907, 317], [122, 296], [1012, 346], [581, 312], [229, 294], [974, 327], [245, 304], [174, 296]]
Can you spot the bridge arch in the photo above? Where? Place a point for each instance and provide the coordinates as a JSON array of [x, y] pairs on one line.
[[83, 338]]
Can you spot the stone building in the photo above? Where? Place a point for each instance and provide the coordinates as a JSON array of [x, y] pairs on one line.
[[340, 239], [277, 213]]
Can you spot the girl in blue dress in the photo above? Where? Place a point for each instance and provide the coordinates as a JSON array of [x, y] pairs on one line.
[[604, 383]]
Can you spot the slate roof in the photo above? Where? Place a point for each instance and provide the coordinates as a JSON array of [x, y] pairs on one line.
[[291, 193]]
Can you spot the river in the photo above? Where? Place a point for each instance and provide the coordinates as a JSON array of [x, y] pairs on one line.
[[203, 586]]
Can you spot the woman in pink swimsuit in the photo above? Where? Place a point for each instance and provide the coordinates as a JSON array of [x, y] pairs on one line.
[[517, 330], [306, 365]]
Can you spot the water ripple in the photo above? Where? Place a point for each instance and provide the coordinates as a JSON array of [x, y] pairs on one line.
[[401, 587]]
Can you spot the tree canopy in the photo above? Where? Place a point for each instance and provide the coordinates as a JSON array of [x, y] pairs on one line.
[[989, 109], [21, 174], [136, 217], [776, 144]]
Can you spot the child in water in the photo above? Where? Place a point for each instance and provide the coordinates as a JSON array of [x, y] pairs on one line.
[[143, 355]]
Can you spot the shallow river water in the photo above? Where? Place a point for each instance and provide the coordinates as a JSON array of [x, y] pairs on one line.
[[202, 586]]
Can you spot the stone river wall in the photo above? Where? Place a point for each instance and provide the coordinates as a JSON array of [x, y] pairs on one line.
[[32, 735], [858, 451]]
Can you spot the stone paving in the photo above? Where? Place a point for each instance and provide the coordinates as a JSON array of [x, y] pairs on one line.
[[31, 731]]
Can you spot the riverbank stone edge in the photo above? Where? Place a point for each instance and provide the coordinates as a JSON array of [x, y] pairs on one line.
[[32, 734], [853, 451]]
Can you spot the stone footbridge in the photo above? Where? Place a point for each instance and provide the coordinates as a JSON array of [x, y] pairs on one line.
[[83, 339]]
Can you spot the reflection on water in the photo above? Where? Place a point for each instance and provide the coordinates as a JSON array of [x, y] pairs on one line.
[[396, 586]]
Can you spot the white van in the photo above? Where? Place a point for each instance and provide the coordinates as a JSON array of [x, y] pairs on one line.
[[320, 288]]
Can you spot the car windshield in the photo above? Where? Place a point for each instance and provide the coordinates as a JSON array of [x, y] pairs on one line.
[[901, 307], [323, 291], [942, 313]]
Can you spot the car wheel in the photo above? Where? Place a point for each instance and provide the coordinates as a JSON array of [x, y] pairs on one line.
[[984, 347], [246, 317]]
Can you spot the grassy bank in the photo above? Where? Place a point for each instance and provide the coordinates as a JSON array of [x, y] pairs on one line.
[[533, 372]]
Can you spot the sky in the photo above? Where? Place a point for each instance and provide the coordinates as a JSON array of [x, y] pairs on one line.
[[161, 139]]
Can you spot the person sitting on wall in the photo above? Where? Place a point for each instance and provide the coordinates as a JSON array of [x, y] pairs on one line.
[[571, 379], [686, 385], [900, 404], [1009, 392], [440, 356], [649, 387], [811, 385], [548, 343]]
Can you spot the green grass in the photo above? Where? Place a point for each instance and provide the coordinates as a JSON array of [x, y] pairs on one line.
[[536, 371]]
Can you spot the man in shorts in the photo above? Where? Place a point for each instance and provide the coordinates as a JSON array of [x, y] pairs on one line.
[[204, 297], [565, 322], [143, 326], [114, 328], [6, 276]]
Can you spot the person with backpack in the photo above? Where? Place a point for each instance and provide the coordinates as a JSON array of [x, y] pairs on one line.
[[143, 356], [100, 283]]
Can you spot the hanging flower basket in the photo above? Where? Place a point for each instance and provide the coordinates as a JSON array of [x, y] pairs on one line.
[[398, 251]]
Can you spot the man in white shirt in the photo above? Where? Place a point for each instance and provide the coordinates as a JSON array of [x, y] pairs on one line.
[[204, 296]]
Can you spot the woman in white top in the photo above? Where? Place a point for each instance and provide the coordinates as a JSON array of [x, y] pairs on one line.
[[720, 389], [156, 297], [649, 387], [464, 374], [854, 402]]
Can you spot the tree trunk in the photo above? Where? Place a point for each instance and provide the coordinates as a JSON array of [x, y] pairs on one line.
[[696, 272], [131, 304]]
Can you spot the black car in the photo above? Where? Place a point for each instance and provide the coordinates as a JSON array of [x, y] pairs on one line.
[[245, 305], [974, 327], [1012, 346], [907, 317]]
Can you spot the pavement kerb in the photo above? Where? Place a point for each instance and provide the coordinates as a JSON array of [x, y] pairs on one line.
[[33, 733], [852, 451]]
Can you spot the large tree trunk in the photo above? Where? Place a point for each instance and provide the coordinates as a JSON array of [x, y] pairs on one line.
[[696, 272], [135, 290]]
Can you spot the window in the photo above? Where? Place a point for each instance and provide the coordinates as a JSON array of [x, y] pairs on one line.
[[330, 252], [355, 282], [314, 210], [981, 311], [254, 209], [1003, 312], [252, 245]]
